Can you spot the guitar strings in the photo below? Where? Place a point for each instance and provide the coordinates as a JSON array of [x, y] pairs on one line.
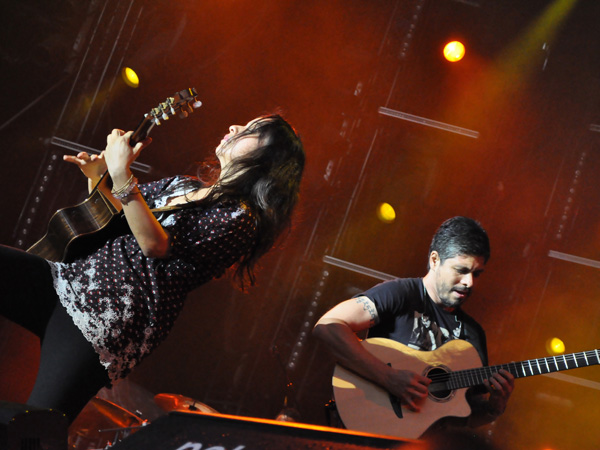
[[475, 376]]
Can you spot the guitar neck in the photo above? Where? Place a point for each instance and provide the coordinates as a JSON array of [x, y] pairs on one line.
[[182, 103], [139, 134], [540, 366]]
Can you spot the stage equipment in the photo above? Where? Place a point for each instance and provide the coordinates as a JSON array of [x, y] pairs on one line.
[[176, 402], [24, 427], [185, 431], [102, 424]]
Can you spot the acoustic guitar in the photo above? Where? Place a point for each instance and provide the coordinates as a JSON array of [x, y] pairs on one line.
[[364, 406], [77, 230]]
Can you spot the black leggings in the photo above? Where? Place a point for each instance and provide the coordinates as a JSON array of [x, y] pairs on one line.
[[70, 373]]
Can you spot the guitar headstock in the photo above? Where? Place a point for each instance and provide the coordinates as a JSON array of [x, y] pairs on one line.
[[181, 103]]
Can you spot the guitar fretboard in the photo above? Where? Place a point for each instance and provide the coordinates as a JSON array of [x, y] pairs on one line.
[[540, 366]]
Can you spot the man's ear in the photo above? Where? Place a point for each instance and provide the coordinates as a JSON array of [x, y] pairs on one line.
[[434, 260]]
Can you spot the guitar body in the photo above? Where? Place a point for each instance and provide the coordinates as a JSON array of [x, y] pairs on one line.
[[78, 230], [364, 406]]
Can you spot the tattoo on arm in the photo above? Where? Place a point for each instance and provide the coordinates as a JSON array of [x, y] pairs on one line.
[[368, 306]]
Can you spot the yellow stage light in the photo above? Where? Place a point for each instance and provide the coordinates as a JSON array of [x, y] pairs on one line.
[[130, 77], [454, 51], [386, 213], [554, 346]]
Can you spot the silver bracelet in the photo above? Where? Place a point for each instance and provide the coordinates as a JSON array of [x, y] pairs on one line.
[[126, 189]]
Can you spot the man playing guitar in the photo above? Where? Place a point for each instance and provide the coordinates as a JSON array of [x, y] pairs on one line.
[[423, 314]]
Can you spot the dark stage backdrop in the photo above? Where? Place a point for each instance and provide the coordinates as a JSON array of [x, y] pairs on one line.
[[508, 136]]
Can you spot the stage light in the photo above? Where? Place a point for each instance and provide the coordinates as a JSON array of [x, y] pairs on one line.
[[386, 213], [454, 51], [130, 77], [554, 346]]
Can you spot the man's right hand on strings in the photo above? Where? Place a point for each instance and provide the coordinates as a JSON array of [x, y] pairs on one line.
[[408, 386]]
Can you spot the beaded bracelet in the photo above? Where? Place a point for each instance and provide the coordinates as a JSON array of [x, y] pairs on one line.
[[126, 189], [125, 200]]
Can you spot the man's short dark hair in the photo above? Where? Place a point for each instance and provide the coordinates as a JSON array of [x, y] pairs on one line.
[[460, 236]]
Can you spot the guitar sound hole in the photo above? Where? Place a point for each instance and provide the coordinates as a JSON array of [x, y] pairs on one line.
[[435, 392]]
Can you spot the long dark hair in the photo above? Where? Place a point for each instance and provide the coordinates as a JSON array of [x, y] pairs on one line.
[[267, 180]]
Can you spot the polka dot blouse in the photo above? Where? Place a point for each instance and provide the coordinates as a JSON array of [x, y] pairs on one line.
[[125, 303]]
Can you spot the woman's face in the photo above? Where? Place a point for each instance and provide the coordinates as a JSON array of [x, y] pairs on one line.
[[232, 147]]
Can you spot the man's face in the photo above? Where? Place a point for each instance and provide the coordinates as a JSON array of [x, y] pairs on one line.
[[455, 277]]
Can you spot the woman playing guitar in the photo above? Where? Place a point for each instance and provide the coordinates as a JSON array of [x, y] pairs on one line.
[[100, 314]]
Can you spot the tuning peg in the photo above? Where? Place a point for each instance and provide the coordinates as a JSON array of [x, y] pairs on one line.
[[197, 104], [183, 114]]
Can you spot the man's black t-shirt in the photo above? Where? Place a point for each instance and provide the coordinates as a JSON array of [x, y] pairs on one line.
[[409, 316]]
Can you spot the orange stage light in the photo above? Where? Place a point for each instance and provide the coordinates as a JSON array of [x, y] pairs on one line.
[[555, 346], [454, 51], [130, 77], [386, 213]]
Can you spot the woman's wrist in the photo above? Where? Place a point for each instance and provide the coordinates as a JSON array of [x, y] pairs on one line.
[[121, 191], [120, 178], [127, 198]]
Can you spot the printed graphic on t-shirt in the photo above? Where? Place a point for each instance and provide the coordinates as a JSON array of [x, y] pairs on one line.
[[428, 335]]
